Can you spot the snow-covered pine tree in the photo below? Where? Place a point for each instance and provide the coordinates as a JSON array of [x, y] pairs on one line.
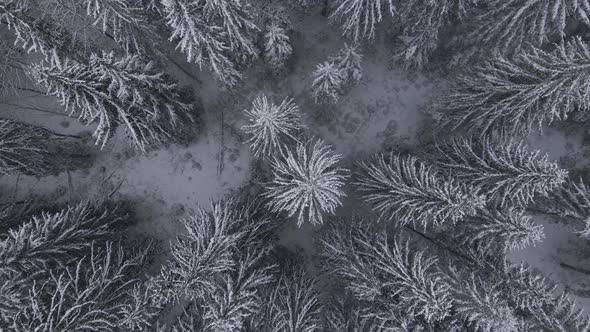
[[12, 213], [109, 91], [545, 307], [306, 182], [481, 304], [359, 17], [27, 149], [507, 26], [406, 191], [348, 59], [340, 71], [409, 289], [215, 34], [292, 302], [394, 280], [570, 201], [234, 300], [201, 255], [11, 76], [503, 168], [345, 313], [519, 94], [328, 82], [90, 295], [126, 21], [422, 22], [296, 306], [272, 127], [36, 34], [277, 47], [501, 230], [57, 238], [217, 244]]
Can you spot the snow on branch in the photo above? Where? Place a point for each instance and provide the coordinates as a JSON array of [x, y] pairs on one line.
[[407, 191], [111, 91], [519, 94], [272, 127], [502, 168], [360, 17], [306, 182]]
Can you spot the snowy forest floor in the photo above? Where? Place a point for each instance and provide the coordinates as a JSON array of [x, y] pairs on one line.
[[384, 111]]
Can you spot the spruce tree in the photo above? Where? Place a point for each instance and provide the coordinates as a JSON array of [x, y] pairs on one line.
[[571, 202], [386, 274], [306, 182], [213, 34], [504, 169], [232, 303], [340, 71], [31, 150], [422, 24], [501, 230], [507, 26], [328, 82], [90, 295], [360, 17], [277, 47], [272, 127], [518, 94], [348, 60], [59, 238], [126, 21], [36, 34], [293, 300], [110, 91], [406, 191], [461, 289], [217, 244]]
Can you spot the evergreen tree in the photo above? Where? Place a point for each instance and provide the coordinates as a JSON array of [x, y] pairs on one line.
[[508, 25], [504, 169], [348, 60], [297, 305], [89, 296], [328, 81], [201, 255], [292, 302], [544, 305], [345, 313], [277, 47], [408, 289], [13, 213], [217, 244], [386, 274], [37, 34], [271, 127], [30, 150], [482, 305], [51, 239], [232, 303], [501, 229], [407, 191], [533, 88], [422, 24], [215, 34], [359, 17], [126, 21], [570, 201], [110, 91], [337, 73], [306, 182]]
